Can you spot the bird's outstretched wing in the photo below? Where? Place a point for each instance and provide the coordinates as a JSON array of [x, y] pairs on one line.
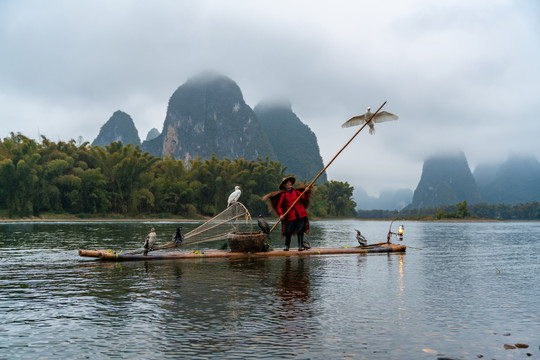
[[361, 119], [384, 116], [357, 120]]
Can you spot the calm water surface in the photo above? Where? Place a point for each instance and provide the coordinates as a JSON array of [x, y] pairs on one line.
[[461, 291]]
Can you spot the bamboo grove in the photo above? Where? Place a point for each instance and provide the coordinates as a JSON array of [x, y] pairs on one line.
[[66, 177]]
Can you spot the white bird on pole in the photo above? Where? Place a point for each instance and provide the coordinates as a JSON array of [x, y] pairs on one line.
[[235, 195], [361, 119]]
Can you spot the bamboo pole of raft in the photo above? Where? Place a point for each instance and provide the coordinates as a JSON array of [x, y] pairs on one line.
[[326, 167]]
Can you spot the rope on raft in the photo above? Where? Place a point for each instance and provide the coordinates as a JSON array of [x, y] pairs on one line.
[[213, 229]]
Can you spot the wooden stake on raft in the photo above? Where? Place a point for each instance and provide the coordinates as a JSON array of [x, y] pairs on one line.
[[326, 167]]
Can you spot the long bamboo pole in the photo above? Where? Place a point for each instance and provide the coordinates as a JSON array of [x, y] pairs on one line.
[[326, 167]]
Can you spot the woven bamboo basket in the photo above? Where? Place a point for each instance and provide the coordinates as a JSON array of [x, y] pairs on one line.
[[247, 242]]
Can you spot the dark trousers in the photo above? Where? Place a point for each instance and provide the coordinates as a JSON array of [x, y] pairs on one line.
[[299, 225]]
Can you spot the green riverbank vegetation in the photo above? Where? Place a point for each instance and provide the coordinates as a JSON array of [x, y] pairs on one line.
[[55, 178], [461, 211]]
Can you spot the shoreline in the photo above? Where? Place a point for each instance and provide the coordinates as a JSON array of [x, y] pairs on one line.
[[64, 218]]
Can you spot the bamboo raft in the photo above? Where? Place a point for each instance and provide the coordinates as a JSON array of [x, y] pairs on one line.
[[108, 255]]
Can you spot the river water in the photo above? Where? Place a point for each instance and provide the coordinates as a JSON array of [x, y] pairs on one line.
[[462, 291]]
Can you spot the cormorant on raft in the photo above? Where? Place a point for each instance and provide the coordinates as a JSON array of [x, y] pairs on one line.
[[178, 237], [361, 239], [150, 241], [263, 225]]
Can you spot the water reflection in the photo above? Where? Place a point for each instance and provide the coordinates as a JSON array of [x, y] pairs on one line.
[[294, 281], [292, 305], [469, 285]]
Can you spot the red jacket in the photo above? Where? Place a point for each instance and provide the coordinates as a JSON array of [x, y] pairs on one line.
[[287, 199]]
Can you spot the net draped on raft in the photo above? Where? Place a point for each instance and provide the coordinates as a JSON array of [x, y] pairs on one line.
[[233, 219]]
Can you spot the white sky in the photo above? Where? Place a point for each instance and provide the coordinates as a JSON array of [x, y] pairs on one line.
[[461, 74]]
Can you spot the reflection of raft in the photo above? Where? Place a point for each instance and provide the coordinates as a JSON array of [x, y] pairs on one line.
[[106, 255]]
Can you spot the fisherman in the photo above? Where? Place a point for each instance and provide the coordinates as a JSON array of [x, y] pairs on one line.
[[150, 241], [296, 220]]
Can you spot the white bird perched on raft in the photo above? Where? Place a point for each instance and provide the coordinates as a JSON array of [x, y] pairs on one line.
[[360, 119], [235, 195], [150, 241]]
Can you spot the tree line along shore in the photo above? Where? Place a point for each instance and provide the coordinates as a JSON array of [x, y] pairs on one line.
[[65, 180], [53, 178]]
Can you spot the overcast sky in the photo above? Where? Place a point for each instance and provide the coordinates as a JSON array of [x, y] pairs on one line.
[[461, 75]]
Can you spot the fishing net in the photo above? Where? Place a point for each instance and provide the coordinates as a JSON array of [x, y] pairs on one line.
[[233, 219]]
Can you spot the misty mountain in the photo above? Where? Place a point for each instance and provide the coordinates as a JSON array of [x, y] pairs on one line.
[[119, 127], [515, 181], [152, 134], [445, 180], [293, 141], [484, 174], [387, 200], [208, 115]]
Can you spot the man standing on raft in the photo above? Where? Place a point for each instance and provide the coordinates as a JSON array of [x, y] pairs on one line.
[[296, 220]]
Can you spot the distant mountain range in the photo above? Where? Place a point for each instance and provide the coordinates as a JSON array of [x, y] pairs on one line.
[[387, 200], [446, 179], [208, 115], [293, 141], [515, 181], [152, 134], [119, 127]]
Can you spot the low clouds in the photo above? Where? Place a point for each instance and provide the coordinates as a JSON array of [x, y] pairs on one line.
[[460, 74]]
